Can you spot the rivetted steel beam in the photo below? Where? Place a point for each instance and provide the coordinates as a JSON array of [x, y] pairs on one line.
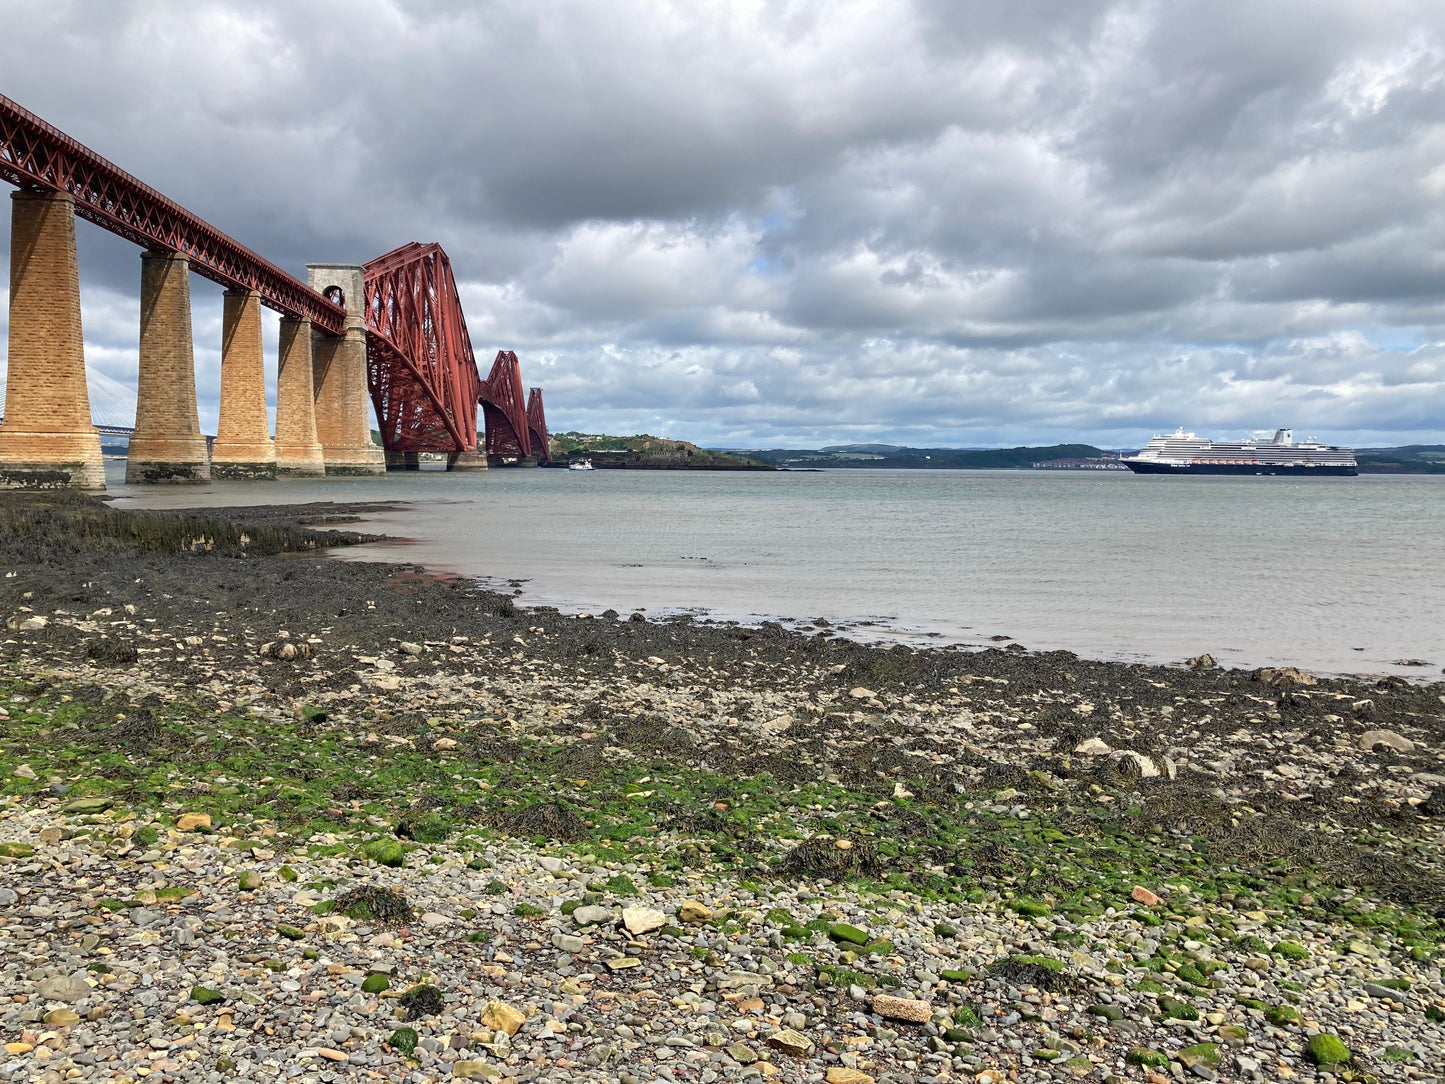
[[421, 370], [537, 426], [36, 155]]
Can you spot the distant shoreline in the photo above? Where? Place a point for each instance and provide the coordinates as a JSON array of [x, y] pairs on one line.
[[1409, 459], [671, 466]]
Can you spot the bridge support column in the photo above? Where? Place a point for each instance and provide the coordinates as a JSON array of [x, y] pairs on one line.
[[243, 447], [298, 451], [47, 438], [474, 460], [403, 461], [167, 445], [343, 407]]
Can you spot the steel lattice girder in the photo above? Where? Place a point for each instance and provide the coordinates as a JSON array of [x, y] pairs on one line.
[[537, 425], [421, 370], [505, 410], [34, 154]]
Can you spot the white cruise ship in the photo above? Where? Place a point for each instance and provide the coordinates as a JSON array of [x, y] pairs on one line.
[[1184, 453]]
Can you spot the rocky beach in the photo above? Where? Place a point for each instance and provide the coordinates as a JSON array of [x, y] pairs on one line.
[[268, 816]]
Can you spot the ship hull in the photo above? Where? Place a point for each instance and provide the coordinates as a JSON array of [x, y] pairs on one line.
[[1295, 469]]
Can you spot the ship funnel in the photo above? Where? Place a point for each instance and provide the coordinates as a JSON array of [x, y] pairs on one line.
[[1284, 436]]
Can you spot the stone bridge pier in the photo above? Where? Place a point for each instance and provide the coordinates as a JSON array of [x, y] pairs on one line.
[[343, 406], [167, 444], [47, 438]]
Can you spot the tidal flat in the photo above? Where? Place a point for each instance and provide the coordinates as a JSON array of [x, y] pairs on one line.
[[624, 850]]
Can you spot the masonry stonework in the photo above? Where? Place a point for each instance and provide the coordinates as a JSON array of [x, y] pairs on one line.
[[343, 407], [468, 461], [298, 451], [243, 447], [167, 445], [47, 438]]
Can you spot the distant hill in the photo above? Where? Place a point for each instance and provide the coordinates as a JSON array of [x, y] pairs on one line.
[[1411, 459], [893, 456], [644, 452]]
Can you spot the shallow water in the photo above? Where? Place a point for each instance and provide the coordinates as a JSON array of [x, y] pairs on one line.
[[1338, 575]]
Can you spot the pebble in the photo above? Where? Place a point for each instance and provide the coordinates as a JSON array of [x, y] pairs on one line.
[[758, 996], [641, 920], [1388, 738], [568, 943], [62, 988], [593, 915], [691, 911], [499, 1016], [902, 1008], [791, 1042]]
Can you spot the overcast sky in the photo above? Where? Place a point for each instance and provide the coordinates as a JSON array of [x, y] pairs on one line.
[[940, 222]]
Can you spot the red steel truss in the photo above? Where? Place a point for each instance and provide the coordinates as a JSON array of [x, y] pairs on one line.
[[505, 410], [36, 155], [537, 427], [420, 366]]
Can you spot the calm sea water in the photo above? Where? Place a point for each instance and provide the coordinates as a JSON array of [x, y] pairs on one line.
[[1338, 575]]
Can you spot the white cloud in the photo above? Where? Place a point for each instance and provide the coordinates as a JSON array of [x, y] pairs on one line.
[[941, 221]]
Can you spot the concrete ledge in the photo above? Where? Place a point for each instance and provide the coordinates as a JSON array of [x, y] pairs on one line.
[[354, 470], [232, 472], [78, 475], [467, 461], [166, 472], [403, 461]]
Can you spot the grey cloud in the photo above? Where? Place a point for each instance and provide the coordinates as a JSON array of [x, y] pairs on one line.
[[945, 221]]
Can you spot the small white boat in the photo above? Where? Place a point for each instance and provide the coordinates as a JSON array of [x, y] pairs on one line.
[[581, 464]]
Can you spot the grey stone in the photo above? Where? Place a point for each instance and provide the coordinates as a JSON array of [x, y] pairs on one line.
[[568, 943], [62, 988], [742, 1053], [1388, 738], [592, 915]]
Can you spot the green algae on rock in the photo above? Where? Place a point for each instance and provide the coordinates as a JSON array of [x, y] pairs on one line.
[[374, 903], [1325, 1049], [404, 1040], [385, 852]]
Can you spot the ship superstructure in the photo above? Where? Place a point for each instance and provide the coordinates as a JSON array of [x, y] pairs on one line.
[[1184, 453]]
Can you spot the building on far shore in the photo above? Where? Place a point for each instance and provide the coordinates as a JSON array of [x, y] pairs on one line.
[[1103, 462]]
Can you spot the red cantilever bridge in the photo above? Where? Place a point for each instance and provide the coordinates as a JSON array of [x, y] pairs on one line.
[[392, 329], [423, 376]]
